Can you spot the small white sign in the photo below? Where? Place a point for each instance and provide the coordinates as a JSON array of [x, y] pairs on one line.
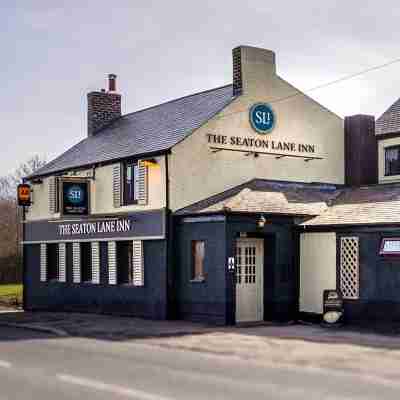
[[391, 246], [231, 263]]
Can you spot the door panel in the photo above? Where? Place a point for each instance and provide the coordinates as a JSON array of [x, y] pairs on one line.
[[249, 280]]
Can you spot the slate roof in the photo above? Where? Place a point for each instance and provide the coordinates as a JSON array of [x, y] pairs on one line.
[[154, 129], [389, 121], [270, 197], [378, 204]]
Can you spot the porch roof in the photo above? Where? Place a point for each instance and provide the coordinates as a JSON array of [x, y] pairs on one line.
[[270, 197], [376, 204]]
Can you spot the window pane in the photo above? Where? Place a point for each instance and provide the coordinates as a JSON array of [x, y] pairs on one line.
[[124, 262], [130, 183], [129, 173], [86, 261], [52, 261], [392, 161], [198, 253]]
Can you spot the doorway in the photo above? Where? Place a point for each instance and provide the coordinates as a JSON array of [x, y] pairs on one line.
[[249, 280]]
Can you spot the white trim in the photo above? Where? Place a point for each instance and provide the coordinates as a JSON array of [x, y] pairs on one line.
[[111, 239], [95, 248], [137, 263], [97, 216], [216, 218], [76, 263], [112, 262], [43, 262], [62, 276], [117, 185]]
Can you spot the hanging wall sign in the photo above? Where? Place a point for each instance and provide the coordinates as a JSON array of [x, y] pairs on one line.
[[24, 195], [143, 224], [262, 118], [75, 196]]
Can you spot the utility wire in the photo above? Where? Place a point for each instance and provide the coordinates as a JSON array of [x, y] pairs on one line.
[[324, 85]]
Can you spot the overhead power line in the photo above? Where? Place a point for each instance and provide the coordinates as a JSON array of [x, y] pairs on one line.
[[327, 84]]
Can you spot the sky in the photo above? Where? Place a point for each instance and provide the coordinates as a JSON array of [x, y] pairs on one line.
[[54, 52]]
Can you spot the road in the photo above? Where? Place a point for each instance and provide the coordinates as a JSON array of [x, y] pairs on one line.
[[38, 366]]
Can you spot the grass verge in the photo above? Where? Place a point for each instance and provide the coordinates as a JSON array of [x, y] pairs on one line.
[[10, 293]]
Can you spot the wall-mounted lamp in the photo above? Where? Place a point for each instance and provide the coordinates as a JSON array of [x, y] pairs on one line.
[[261, 222], [150, 162]]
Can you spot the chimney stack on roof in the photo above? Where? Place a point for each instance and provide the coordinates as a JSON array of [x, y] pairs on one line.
[[361, 150], [103, 106], [250, 65]]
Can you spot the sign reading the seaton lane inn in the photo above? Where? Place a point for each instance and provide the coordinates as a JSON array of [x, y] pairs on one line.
[[144, 224], [88, 228], [263, 120]]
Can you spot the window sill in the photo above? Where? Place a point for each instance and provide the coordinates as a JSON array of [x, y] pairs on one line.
[[198, 280], [134, 203]]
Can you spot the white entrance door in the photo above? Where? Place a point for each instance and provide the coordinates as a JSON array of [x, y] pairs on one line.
[[249, 280]]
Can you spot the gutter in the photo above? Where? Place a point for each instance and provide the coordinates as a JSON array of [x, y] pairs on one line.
[[97, 164]]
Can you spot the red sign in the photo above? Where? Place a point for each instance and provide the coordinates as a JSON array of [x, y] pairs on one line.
[[24, 195]]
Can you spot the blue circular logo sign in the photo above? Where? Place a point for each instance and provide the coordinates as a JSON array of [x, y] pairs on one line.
[[262, 118], [75, 194]]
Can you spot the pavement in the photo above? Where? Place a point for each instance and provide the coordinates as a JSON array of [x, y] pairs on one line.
[[37, 365], [113, 327], [106, 327]]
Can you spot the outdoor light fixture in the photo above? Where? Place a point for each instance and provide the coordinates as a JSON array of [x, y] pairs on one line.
[[261, 222], [150, 162]]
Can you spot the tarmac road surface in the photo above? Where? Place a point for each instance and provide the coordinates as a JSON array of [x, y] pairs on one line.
[[40, 366]]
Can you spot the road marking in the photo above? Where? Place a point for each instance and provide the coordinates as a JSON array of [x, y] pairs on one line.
[[5, 364], [107, 387]]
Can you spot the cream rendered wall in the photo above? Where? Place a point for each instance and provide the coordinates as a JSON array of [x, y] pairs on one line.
[[317, 269], [197, 173], [382, 144], [40, 206], [101, 192], [103, 197]]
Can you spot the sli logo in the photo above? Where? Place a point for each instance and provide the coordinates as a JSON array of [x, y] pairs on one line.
[[262, 118], [75, 194]]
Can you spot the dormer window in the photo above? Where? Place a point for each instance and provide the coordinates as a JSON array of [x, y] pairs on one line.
[[131, 182], [392, 161]]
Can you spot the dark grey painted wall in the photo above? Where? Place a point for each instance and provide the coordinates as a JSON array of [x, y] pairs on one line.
[[149, 301], [379, 279], [205, 301], [214, 299]]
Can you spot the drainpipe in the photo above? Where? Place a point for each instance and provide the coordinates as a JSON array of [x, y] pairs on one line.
[[171, 312], [24, 275]]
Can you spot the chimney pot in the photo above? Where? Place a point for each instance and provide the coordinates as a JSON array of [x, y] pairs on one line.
[[112, 82]]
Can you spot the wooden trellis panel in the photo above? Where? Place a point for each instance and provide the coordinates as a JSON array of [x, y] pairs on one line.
[[349, 267]]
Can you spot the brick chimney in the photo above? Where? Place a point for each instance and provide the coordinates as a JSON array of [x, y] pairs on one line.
[[361, 150], [250, 65], [103, 106]]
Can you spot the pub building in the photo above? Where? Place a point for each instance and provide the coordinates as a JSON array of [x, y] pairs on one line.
[[237, 204]]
